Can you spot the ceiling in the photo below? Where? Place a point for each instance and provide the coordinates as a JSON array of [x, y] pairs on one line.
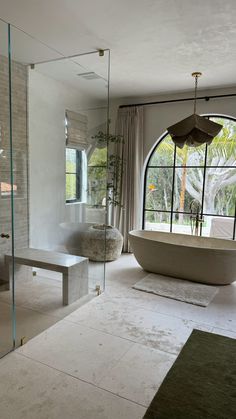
[[155, 44]]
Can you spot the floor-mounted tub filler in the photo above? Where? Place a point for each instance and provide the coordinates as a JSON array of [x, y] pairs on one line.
[[200, 259]]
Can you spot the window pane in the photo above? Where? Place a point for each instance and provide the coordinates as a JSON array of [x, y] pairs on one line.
[[159, 188], [70, 160], [70, 186], [164, 153], [220, 181], [190, 156], [159, 221], [188, 186], [98, 157], [222, 151], [220, 191], [181, 223], [96, 185]]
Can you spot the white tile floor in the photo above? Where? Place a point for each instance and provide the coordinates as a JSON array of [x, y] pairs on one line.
[[38, 301], [107, 359]]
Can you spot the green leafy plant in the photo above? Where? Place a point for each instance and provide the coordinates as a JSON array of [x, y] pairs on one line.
[[115, 164]]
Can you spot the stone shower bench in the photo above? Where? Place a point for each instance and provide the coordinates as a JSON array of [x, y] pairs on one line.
[[74, 269]]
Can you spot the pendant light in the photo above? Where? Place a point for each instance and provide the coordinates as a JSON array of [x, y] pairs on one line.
[[194, 130]]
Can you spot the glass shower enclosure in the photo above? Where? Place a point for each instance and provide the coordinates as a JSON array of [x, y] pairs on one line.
[[53, 178]]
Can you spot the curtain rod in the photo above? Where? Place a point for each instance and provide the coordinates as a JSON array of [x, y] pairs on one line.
[[178, 100]]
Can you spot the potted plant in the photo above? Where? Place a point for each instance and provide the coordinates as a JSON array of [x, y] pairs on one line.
[[94, 236], [115, 164]]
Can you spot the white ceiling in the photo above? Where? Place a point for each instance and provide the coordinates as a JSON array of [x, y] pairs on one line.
[[155, 44]]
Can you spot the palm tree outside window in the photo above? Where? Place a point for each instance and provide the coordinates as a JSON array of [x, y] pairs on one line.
[[174, 177]]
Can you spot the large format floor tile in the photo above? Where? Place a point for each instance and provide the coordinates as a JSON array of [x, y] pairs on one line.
[[38, 306], [30, 390], [43, 294], [107, 358], [122, 274], [28, 324], [139, 373], [221, 312], [77, 350], [122, 319]]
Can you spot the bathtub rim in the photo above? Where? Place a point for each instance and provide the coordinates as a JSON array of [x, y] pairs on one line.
[[132, 234]]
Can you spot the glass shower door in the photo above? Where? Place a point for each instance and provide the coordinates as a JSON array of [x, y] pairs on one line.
[[68, 139], [53, 170], [7, 190]]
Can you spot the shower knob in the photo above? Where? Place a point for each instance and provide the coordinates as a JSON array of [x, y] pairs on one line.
[[5, 236]]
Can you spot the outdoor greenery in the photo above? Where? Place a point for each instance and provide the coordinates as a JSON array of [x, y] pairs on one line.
[[105, 169], [220, 176], [70, 174], [216, 163], [97, 177]]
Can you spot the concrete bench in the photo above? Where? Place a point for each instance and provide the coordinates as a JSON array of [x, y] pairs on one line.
[[74, 269]]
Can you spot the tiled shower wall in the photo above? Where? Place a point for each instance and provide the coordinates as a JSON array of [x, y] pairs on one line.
[[20, 158]]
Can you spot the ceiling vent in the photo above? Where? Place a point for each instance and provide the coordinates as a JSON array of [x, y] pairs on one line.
[[90, 75]]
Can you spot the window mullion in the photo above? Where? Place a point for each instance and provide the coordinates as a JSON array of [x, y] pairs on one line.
[[172, 192], [217, 210]]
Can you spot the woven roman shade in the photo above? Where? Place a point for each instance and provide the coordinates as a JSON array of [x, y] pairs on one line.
[[77, 126]]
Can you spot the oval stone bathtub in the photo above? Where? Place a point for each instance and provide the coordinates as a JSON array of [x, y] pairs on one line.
[[199, 259]]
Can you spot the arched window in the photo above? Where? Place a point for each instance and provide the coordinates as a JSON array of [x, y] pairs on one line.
[[207, 174]]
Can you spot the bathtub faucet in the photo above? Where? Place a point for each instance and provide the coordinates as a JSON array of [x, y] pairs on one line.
[[195, 218]]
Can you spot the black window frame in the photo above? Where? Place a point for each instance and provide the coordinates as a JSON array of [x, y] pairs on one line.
[[174, 167], [79, 176]]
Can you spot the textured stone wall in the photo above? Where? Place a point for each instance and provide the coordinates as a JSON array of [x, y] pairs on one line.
[[20, 158]]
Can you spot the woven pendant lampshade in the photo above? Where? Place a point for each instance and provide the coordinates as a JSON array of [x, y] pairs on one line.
[[194, 130]]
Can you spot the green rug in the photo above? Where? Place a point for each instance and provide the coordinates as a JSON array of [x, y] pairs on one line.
[[202, 382]]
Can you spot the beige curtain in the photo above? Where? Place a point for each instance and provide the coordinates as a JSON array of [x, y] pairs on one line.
[[128, 216]]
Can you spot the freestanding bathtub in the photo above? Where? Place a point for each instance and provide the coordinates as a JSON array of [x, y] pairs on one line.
[[199, 259]]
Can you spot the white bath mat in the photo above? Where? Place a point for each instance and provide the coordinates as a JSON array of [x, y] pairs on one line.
[[178, 289]]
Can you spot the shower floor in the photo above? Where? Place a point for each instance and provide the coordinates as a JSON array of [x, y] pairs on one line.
[[39, 304], [107, 358]]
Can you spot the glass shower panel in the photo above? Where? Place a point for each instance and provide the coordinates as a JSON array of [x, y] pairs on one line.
[[61, 107], [77, 121], [42, 94], [7, 190]]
